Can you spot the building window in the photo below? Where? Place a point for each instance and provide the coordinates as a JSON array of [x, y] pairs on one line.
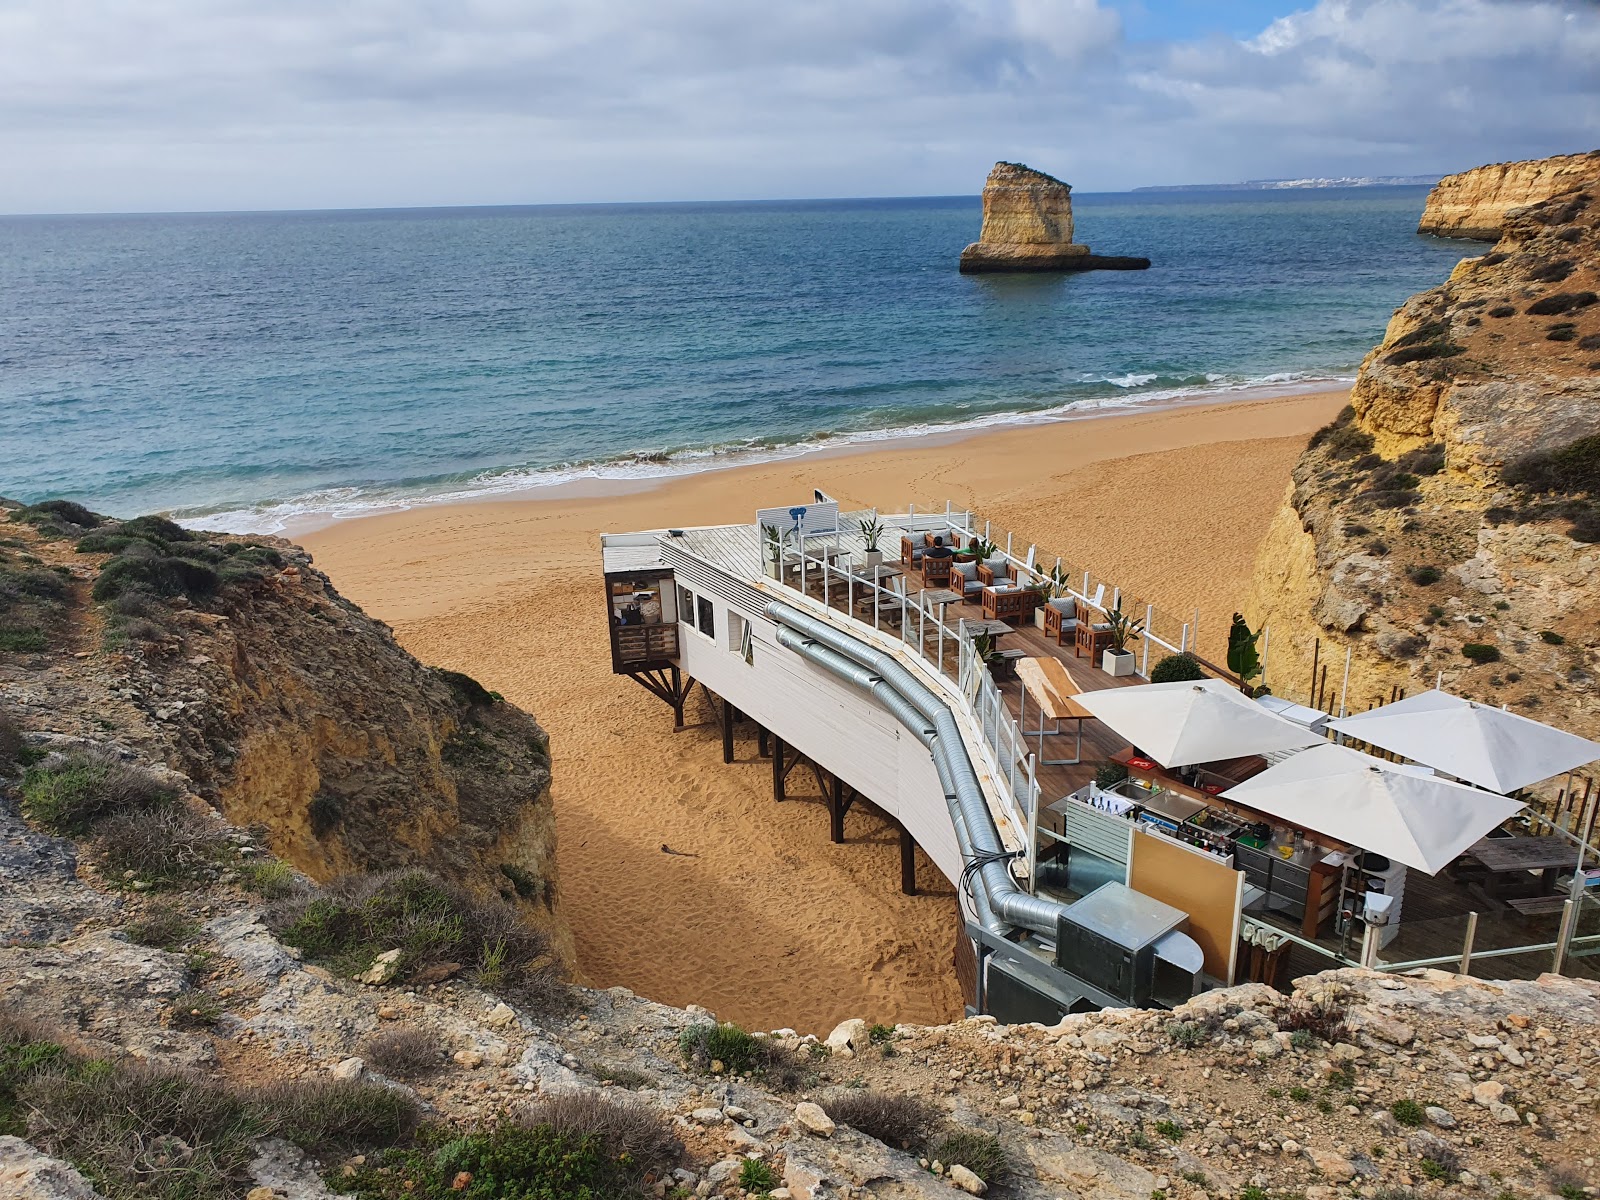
[[685, 605], [706, 615], [736, 630]]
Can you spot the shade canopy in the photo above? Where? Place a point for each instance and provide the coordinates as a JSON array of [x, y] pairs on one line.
[[1401, 812], [1194, 721], [1493, 748]]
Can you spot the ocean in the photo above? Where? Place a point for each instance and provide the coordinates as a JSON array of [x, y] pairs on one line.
[[251, 371]]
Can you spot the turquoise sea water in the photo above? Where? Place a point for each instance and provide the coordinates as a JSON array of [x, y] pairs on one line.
[[252, 368]]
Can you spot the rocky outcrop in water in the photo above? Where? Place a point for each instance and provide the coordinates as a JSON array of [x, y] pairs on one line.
[[1027, 226], [1474, 204], [1449, 521]]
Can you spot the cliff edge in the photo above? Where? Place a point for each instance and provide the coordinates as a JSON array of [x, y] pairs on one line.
[[1027, 226], [1449, 521], [237, 665], [1474, 204]]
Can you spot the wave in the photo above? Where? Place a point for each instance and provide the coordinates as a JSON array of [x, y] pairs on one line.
[[323, 506]]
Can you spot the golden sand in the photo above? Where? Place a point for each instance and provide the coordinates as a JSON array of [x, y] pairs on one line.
[[759, 917]]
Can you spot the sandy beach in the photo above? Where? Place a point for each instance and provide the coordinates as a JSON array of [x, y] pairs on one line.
[[758, 916]]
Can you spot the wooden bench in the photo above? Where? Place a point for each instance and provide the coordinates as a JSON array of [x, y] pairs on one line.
[[1536, 906]]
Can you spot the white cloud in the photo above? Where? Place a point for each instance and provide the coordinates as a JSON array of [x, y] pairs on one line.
[[234, 103]]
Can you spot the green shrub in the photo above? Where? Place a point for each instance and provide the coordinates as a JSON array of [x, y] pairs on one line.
[[324, 813], [1188, 1034], [1424, 576], [880, 1035], [332, 1115], [757, 1177], [403, 1051], [623, 1077], [741, 1053], [894, 1118], [1501, 311], [1552, 638], [1170, 1130], [30, 640], [1323, 1018], [1559, 303], [58, 512], [1300, 1095], [1567, 470], [509, 1162], [158, 574], [1175, 668], [980, 1153], [354, 919], [69, 793], [196, 1009], [1408, 1113], [25, 1051], [156, 528], [167, 845], [269, 878], [164, 926], [1480, 652], [1303, 1039]]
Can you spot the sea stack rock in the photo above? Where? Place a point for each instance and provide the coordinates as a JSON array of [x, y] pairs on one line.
[[1474, 204], [1027, 226]]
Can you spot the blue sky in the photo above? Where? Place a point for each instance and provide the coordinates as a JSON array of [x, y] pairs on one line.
[[107, 105], [1164, 20]]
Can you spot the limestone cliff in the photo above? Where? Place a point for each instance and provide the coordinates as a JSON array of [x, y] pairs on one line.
[[284, 706], [1027, 226], [1449, 521], [1474, 203]]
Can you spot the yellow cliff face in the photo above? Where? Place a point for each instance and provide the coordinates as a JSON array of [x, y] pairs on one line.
[[1027, 223], [1448, 523], [1474, 204]]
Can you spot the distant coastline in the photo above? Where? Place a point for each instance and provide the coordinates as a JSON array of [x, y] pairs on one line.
[[1279, 185]]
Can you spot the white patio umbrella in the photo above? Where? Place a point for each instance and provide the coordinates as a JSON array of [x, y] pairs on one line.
[[1401, 812], [1194, 721], [1493, 748]]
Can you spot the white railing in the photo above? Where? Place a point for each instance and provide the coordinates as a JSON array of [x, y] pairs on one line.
[[1161, 629], [948, 651]]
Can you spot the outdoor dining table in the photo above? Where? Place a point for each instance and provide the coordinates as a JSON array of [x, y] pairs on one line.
[[1054, 692], [939, 596], [1548, 855], [994, 629]]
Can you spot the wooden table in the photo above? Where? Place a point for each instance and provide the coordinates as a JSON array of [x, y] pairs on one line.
[[940, 596], [876, 574], [1508, 856], [994, 629], [1055, 692]]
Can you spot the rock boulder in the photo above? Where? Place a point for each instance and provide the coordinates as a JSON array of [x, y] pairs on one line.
[[1027, 226]]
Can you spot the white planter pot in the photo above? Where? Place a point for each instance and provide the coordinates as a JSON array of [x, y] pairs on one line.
[[772, 570], [1038, 618], [1117, 662], [874, 558]]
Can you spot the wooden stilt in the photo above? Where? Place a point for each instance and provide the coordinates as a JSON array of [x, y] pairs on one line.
[[840, 798], [778, 773], [762, 746], [668, 685], [727, 732], [908, 861]]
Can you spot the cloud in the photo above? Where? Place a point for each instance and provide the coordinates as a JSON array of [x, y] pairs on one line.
[[233, 103]]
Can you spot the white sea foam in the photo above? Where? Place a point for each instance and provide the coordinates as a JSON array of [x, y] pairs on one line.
[[324, 506]]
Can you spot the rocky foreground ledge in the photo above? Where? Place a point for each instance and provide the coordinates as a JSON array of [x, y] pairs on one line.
[[1358, 1085]]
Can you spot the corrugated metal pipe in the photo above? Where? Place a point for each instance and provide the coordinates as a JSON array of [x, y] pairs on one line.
[[999, 900]]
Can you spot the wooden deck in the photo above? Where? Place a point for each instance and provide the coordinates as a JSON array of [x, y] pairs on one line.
[[1434, 909]]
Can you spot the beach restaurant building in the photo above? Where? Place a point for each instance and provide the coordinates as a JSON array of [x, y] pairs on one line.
[[1112, 841]]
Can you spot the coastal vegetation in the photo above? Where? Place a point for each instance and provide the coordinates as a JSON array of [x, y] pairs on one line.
[[346, 924], [897, 1120], [723, 1047]]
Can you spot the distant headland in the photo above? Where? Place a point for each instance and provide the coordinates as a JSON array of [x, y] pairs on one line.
[[1309, 183], [1027, 226]]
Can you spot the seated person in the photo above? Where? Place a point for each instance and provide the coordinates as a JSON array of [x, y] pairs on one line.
[[939, 550]]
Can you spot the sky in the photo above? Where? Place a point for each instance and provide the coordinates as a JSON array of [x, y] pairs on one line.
[[186, 105]]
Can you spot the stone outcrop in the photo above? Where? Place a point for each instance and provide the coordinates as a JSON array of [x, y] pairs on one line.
[[1420, 531], [1474, 204], [284, 706], [1027, 226]]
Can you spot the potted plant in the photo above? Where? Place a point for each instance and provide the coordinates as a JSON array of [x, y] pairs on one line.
[[1243, 660], [1118, 659], [988, 650], [871, 531], [772, 546], [1061, 591], [1039, 585]]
